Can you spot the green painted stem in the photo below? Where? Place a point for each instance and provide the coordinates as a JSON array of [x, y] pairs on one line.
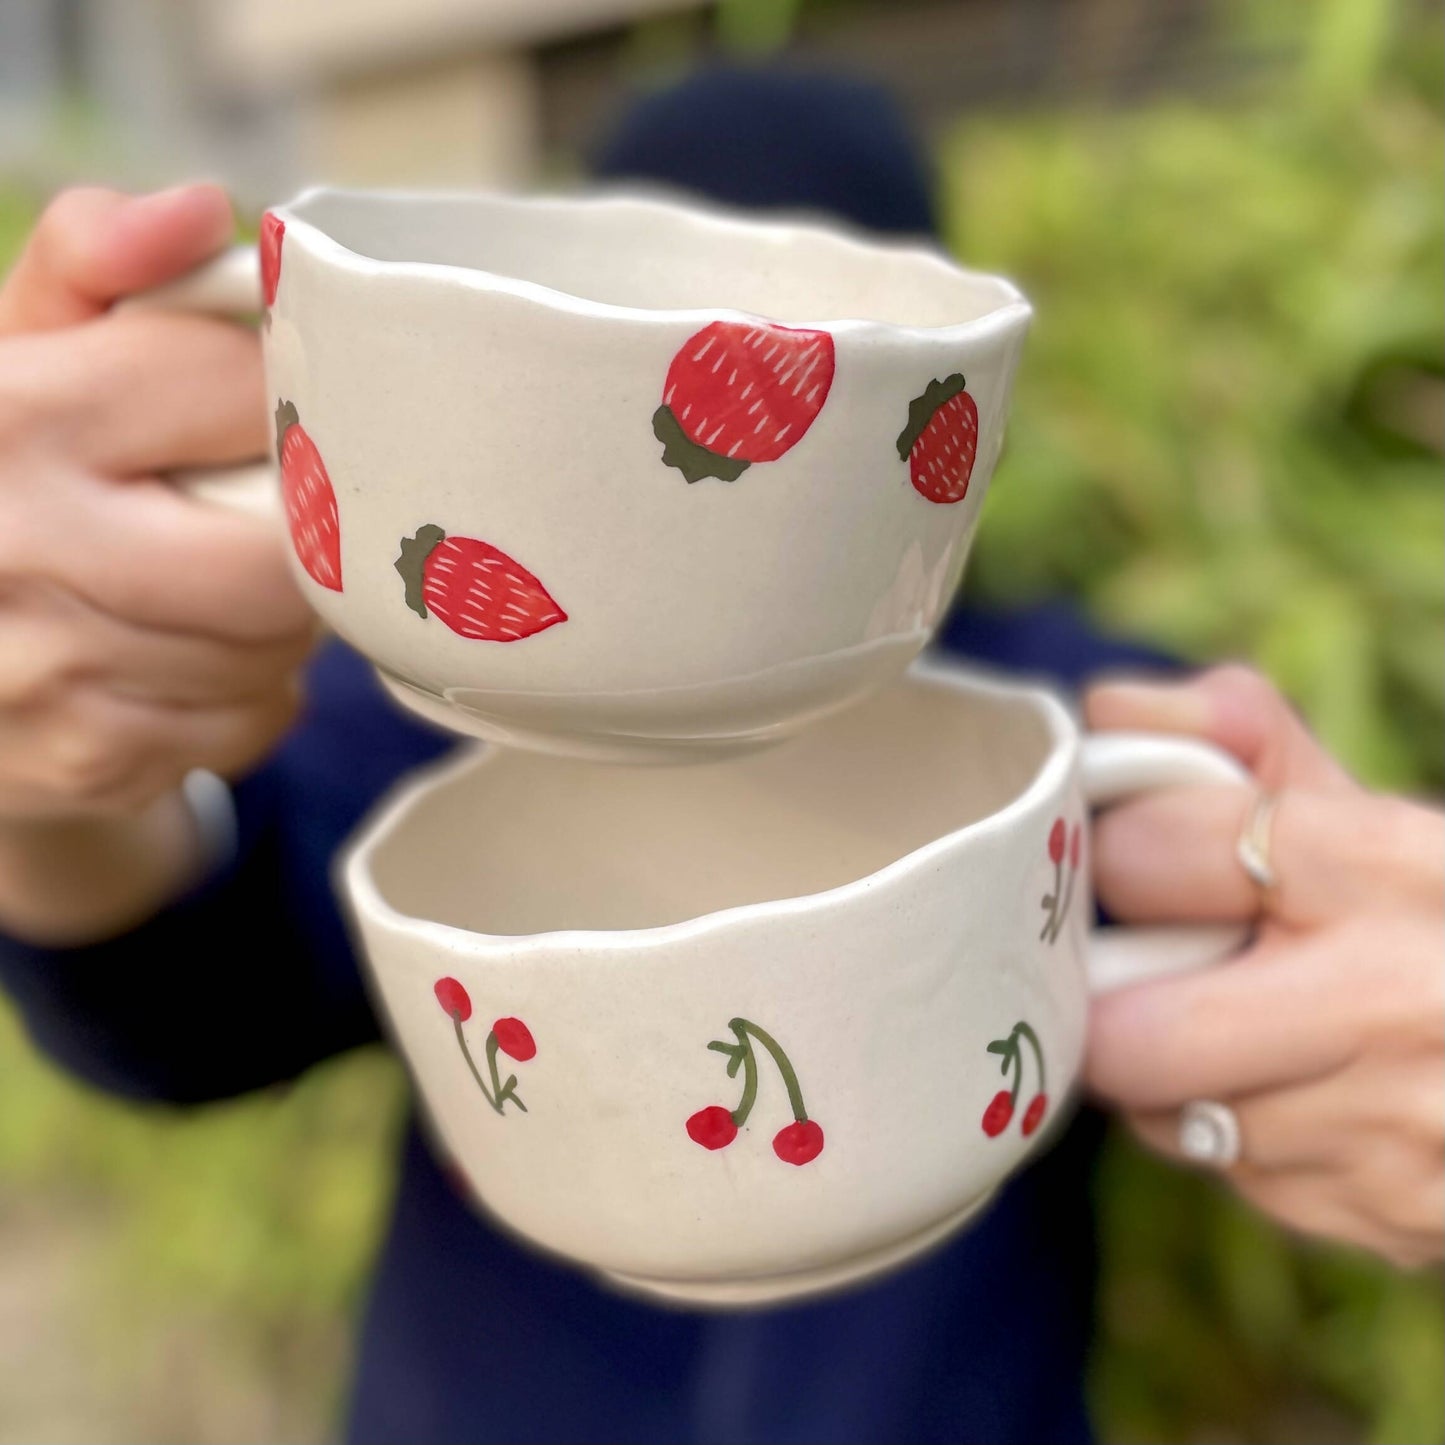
[[1024, 1031], [1051, 902], [750, 1076], [472, 1065], [742, 1028], [1068, 898]]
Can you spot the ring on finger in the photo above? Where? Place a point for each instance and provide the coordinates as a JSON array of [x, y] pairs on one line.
[[1253, 848], [1209, 1134]]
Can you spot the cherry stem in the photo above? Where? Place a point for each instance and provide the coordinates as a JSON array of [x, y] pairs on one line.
[[1063, 912], [742, 1028], [504, 1091], [1022, 1030], [1051, 902], [472, 1064]]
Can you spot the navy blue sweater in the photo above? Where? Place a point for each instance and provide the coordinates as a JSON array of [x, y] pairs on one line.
[[984, 1340]]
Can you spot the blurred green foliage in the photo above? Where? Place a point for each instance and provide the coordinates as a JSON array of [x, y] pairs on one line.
[[1227, 439]]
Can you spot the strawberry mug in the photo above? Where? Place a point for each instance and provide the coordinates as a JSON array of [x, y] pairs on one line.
[[615, 477], [761, 1027]]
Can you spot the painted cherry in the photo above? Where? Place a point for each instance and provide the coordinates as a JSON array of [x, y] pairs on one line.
[[713, 1128], [273, 228], [515, 1039], [1034, 1114], [1056, 841], [455, 1000], [1074, 844], [799, 1142], [998, 1114]]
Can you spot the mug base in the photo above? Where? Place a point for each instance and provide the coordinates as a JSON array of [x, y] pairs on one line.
[[748, 1292]]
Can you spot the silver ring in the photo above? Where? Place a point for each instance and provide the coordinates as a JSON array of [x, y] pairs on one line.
[[1209, 1133], [1253, 846]]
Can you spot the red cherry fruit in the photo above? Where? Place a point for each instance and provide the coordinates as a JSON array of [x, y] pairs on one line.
[[309, 499], [453, 998], [476, 589], [738, 393], [273, 228], [1000, 1110], [712, 1127], [1074, 846], [1034, 1114], [799, 1142], [515, 1039], [941, 439], [1056, 841]]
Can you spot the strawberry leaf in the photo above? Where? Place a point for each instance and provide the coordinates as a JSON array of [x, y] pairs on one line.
[[412, 564], [693, 461], [922, 408]]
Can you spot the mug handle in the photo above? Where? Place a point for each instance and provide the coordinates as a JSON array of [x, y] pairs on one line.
[[1116, 766], [227, 285]]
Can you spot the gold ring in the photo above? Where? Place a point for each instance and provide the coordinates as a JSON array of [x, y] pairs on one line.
[[1253, 847]]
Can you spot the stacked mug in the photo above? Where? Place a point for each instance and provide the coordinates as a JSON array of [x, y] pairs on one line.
[[610, 483]]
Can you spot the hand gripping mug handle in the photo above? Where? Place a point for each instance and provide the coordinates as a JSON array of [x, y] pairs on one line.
[[227, 285], [1117, 765]]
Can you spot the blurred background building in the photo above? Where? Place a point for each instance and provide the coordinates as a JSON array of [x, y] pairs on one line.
[[1227, 440]]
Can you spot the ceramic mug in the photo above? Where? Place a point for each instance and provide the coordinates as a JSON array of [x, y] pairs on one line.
[[616, 477], [755, 1029]]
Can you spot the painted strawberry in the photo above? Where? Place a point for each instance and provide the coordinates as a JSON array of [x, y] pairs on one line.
[[309, 499], [476, 589], [515, 1039], [1034, 1114], [273, 228], [453, 998], [996, 1117], [712, 1127], [799, 1142], [941, 439], [739, 393]]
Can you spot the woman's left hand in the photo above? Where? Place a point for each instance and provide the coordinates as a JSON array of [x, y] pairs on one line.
[[1326, 1037]]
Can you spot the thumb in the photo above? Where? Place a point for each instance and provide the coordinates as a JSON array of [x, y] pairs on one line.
[[93, 246], [1233, 707]]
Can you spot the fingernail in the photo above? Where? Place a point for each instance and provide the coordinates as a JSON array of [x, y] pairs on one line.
[[1170, 707]]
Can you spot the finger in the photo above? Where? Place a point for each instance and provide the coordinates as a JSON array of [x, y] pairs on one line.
[[1314, 1205], [1233, 707], [56, 641], [1278, 1015], [100, 754], [1171, 856], [139, 392], [93, 246], [156, 558]]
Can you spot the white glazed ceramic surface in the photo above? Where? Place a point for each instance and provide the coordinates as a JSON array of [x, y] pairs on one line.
[[869, 896], [494, 367]]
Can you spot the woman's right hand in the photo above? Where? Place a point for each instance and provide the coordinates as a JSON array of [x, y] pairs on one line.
[[143, 634]]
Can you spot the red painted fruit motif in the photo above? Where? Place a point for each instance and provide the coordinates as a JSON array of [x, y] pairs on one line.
[[1056, 841], [309, 499], [273, 228], [712, 1127], [941, 440], [996, 1117], [453, 998], [738, 393], [515, 1039], [799, 1142], [1034, 1114], [474, 588]]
